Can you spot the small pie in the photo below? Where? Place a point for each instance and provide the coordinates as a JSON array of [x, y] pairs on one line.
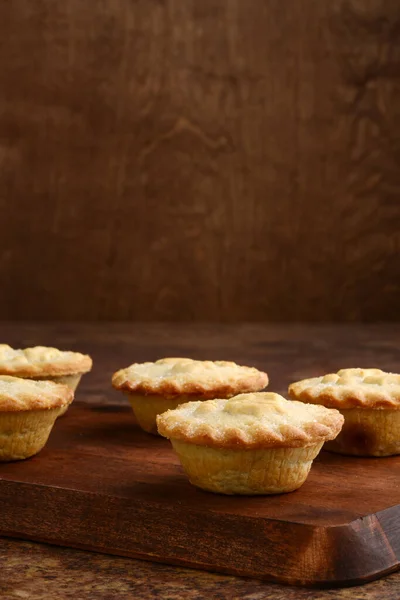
[[251, 444], [28, 410], [154, 387], [44, 363], [369, 400]]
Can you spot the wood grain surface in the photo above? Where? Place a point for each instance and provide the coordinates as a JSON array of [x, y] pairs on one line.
[[38, 570], [103, 484], [185, 160], [330, 522]]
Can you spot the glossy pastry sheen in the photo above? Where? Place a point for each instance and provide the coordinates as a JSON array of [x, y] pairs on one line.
[[256, 443]]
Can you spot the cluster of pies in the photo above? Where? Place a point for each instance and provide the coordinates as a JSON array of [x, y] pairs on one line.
[[230, 436], [36, 386], [233, 438]]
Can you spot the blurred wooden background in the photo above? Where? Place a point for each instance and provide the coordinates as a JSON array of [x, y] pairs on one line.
[[200, 159]]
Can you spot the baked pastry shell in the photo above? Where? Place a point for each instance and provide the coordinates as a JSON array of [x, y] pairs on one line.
[[147, 408], [42, 363], [151, 395], [350, 388], [368, 399], [257, 443], [321, 424], [24, 433], [72, 381], [20, 395], [246, 472], [368, 432], [241, 379]]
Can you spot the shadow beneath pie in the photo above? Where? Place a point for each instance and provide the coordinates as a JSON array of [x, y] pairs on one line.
[[172, 488], [111, 436]]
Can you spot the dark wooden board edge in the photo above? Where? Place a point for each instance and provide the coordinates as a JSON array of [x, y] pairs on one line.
[[294, 553]]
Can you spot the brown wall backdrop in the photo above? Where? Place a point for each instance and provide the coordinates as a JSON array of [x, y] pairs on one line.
[[200, 159]]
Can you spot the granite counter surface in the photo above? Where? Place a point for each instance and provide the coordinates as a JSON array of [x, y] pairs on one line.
[[40, 572]]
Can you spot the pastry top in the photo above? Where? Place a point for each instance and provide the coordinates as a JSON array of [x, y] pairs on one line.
[[350, 388], [258, 420], [176, 376], [18, 394], [42, 361]]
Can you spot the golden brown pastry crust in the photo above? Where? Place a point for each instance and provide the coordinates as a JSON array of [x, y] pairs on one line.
[[41, 361], [249, 421], [176, 376], [146, 408], [350, 388], [18, 394], [24, 433], [368, 432], [250, 472]]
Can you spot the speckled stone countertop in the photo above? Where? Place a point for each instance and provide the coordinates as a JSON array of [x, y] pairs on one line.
[[39, 572]]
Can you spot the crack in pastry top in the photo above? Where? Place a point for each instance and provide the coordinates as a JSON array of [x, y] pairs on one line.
[[256, 420], [42, 361], [350, 388], [18, 394], [176, 376]]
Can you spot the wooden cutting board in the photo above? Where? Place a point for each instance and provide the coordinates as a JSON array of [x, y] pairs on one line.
[[102, 484]]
